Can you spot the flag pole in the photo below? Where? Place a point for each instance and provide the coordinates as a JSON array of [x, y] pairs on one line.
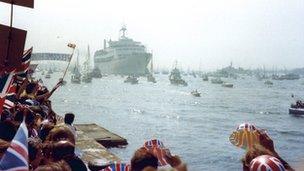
[[66, 69], [10, 33]]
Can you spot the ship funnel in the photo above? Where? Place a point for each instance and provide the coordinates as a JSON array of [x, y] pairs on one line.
[[104, 44]]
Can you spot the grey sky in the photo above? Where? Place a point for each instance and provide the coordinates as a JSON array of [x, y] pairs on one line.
[[251, 33]]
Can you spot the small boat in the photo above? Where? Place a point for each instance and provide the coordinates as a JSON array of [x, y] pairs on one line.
[[268, 82], [75, 79], [175, 77], [86, 78], [217, 81], [64, 82], [205, 78], [228, 85], [297, 109], [48, 76], [150, 78], [76, 75], [96, 73], [87, 75], [131, 79], [196, 93]]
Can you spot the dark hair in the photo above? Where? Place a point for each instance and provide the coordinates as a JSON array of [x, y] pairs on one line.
[[3, 147], [63, 150], [45, 130], [7, 130], [54, 166], [30, 88], [61, 133], [30, 118], [6, 114], [69, 118], [18, 116], [34, 145], [142, 159]]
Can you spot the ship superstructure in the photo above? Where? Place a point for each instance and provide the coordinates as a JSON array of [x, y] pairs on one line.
[[124, 57]]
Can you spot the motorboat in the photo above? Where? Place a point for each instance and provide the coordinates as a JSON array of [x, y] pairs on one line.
[[268, 82], [196, 93], [228, 85], [297, 108], [131, 79], [217, 81]]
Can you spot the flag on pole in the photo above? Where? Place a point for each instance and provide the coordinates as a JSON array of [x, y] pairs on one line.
[[24, 3], [71, 45], [16, 156]]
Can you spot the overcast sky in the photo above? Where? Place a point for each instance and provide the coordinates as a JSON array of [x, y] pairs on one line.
[[250, 33]]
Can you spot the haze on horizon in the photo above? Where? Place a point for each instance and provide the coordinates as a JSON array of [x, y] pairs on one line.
[[209, 33]]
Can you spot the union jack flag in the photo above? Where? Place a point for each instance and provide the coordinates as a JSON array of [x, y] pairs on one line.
[[16, 156], [5, 83], [10, 100], [22, 71], [118, 167], [157, 148]]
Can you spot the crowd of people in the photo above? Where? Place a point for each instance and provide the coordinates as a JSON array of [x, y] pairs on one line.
[[51, 138]]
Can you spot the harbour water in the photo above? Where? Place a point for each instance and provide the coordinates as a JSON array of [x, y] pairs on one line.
[[196, 128]]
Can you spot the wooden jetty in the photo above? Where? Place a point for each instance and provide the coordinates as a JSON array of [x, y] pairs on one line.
[[102, 135], [93, 141]]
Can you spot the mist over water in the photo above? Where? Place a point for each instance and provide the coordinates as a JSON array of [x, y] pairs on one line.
[[197, 129]]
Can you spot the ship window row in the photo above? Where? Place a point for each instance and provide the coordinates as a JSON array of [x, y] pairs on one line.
[[135, 49]]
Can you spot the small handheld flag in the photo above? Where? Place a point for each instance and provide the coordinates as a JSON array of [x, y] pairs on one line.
[[118, 167], [16, 156], [157, 148]]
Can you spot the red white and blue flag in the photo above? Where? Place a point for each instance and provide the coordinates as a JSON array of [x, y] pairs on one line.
[[5, 83], [157, 148], [118, 167], [16, 156], [10, 101], [21, 72]]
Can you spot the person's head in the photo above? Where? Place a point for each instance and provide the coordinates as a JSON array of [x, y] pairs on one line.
[[3, 147], [54, 166], [143, 159], [35, 152], [7, 130], [31, 88], [63, 150], [19, 116], [45, 129], [6, 115], [59, 133], [30, 118], [253, 153], [266, 162], [69, 118]]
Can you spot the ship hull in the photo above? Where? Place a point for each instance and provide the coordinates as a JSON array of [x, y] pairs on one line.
[[131, 65]]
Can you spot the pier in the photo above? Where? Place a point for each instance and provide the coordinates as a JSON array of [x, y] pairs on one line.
[[93, 141]]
